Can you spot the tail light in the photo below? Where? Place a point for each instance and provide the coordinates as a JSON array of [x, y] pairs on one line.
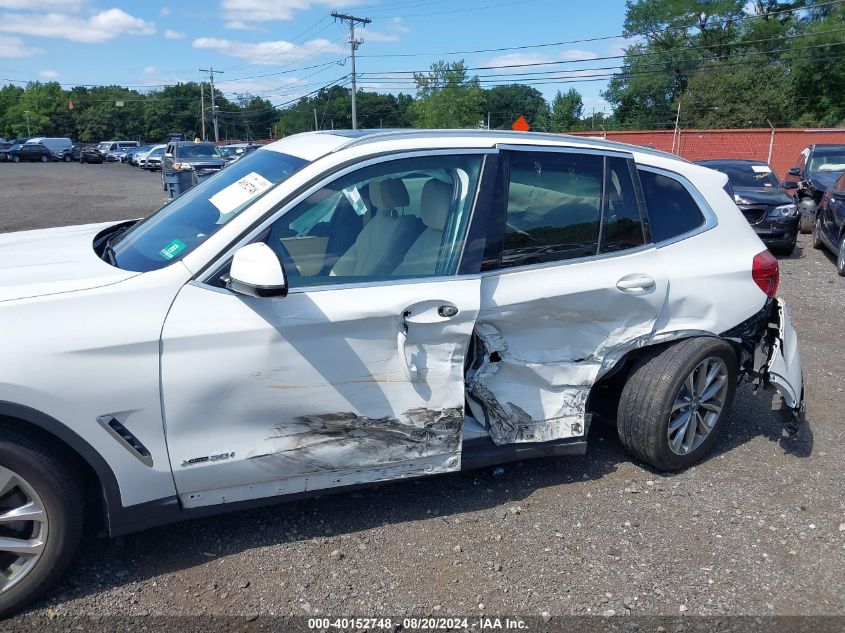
[[766, 273]]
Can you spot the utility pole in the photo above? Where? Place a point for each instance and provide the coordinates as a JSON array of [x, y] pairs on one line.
[[316, 126], [26, 114], [202, 107], [211, 72], [353, 44], [677, 132]]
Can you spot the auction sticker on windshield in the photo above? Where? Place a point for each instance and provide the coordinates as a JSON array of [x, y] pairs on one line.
[[233, 197], [173, 249]]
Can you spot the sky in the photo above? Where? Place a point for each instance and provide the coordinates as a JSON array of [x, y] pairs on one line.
[[282, 49]]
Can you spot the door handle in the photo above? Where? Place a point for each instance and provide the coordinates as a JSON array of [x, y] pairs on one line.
[[635, 283]]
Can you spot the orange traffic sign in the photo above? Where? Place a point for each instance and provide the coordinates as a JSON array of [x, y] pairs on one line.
[[521, 125]]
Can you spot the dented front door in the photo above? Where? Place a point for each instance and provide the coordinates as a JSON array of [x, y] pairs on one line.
[[322, 388]]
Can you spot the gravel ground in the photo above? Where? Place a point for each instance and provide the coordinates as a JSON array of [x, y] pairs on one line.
[[758, 528]]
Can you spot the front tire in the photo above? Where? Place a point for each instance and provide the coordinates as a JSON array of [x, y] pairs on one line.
[[16, 159], [840, 257], [676, 400], [817, 234], [805, 225], [43, 495]]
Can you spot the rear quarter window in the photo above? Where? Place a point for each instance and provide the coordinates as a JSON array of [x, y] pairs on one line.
[[672, 211]]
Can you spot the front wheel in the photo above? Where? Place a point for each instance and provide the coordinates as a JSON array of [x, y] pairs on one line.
[[16, 159], [40, 519], [840, 257], [67, 158], [44, 159], [805, 225], [817, 234], [676, 400]]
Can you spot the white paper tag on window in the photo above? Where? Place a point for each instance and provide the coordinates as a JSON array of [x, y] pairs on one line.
[[238, 193], [761, 169]]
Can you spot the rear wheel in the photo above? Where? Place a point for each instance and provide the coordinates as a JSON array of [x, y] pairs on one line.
[[675, 402], [40, 519], [44, 159]]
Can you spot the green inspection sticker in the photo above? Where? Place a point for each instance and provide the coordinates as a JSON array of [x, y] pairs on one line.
[[173, 249]]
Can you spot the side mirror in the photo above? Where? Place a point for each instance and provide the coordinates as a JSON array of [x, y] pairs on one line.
[[256, 271], [794, 171], [790, 184]]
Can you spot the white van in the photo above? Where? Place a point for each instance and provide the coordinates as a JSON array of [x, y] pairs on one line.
[[55, 144]]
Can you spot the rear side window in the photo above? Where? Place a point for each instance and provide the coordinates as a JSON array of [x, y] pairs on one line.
[[553, 207], [622, 226], [672, 211]]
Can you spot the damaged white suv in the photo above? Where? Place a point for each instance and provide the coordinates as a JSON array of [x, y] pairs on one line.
[[343, 308]]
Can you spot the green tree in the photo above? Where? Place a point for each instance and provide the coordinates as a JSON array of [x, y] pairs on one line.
[[447, 97], [567, 109], [506, 103]]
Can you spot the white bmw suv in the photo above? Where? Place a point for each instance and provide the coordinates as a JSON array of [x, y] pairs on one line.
[[344, 308]]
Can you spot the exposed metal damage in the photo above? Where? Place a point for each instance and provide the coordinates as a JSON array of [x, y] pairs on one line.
[[333, 441]]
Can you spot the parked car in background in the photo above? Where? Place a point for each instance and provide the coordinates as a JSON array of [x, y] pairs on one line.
[[140, 155], [234, 151], [91, 155], [817, 168], [769, 208], [829, 228], [4, 150], [112, 150], [203, 159], [342, 309], [32, 152], [55, 144], [153, 160], [71, 154]]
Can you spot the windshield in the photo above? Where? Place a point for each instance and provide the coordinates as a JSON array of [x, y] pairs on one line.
[[103, 146], [157, 152], [747, 175], [827, 163], [186, 222], [197, 150]]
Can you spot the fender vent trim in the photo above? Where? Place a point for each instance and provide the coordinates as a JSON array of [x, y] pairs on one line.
[[126, 439]]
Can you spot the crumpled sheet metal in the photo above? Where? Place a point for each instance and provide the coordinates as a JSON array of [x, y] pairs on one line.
[[538, 395]]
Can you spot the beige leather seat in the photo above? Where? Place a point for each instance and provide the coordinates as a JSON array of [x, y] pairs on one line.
[[385, 239], [422, 257]]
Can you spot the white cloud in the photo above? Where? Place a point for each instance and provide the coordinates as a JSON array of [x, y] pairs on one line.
[[239, 25], [150, 70], [43, 5], [518, 59], [100, 27], [377, 36], [267, 52], [576, 55], [48, 74], [246, 11], [14, 47], [174, 35], [163, 12]]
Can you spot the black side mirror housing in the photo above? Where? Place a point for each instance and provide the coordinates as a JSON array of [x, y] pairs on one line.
[[790, 184], [794, 171]]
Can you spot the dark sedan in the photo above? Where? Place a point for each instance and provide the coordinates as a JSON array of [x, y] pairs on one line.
[[31, 152], [768, 207], [817, 168], [829, 229]]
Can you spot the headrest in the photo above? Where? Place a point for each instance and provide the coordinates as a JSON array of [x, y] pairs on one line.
[[435, 203], [389, 193]]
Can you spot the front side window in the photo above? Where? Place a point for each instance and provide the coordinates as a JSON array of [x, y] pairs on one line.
[[405, 218], [180, 226], [672, 211]]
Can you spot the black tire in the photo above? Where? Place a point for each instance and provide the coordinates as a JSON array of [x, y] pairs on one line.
[[44, 159], [163, 184], [16, 159], [805, 225], [840, 257], [650, 391], [817, 233], [58, 486], [67, 158]]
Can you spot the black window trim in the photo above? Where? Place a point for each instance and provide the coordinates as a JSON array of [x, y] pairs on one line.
[[711, 221], [500, 207]]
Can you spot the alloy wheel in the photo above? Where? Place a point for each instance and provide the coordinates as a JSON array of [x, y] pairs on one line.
[[23, 528], [698, 405]]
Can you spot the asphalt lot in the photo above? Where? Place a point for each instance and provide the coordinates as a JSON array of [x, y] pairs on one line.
[[758, 528]]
